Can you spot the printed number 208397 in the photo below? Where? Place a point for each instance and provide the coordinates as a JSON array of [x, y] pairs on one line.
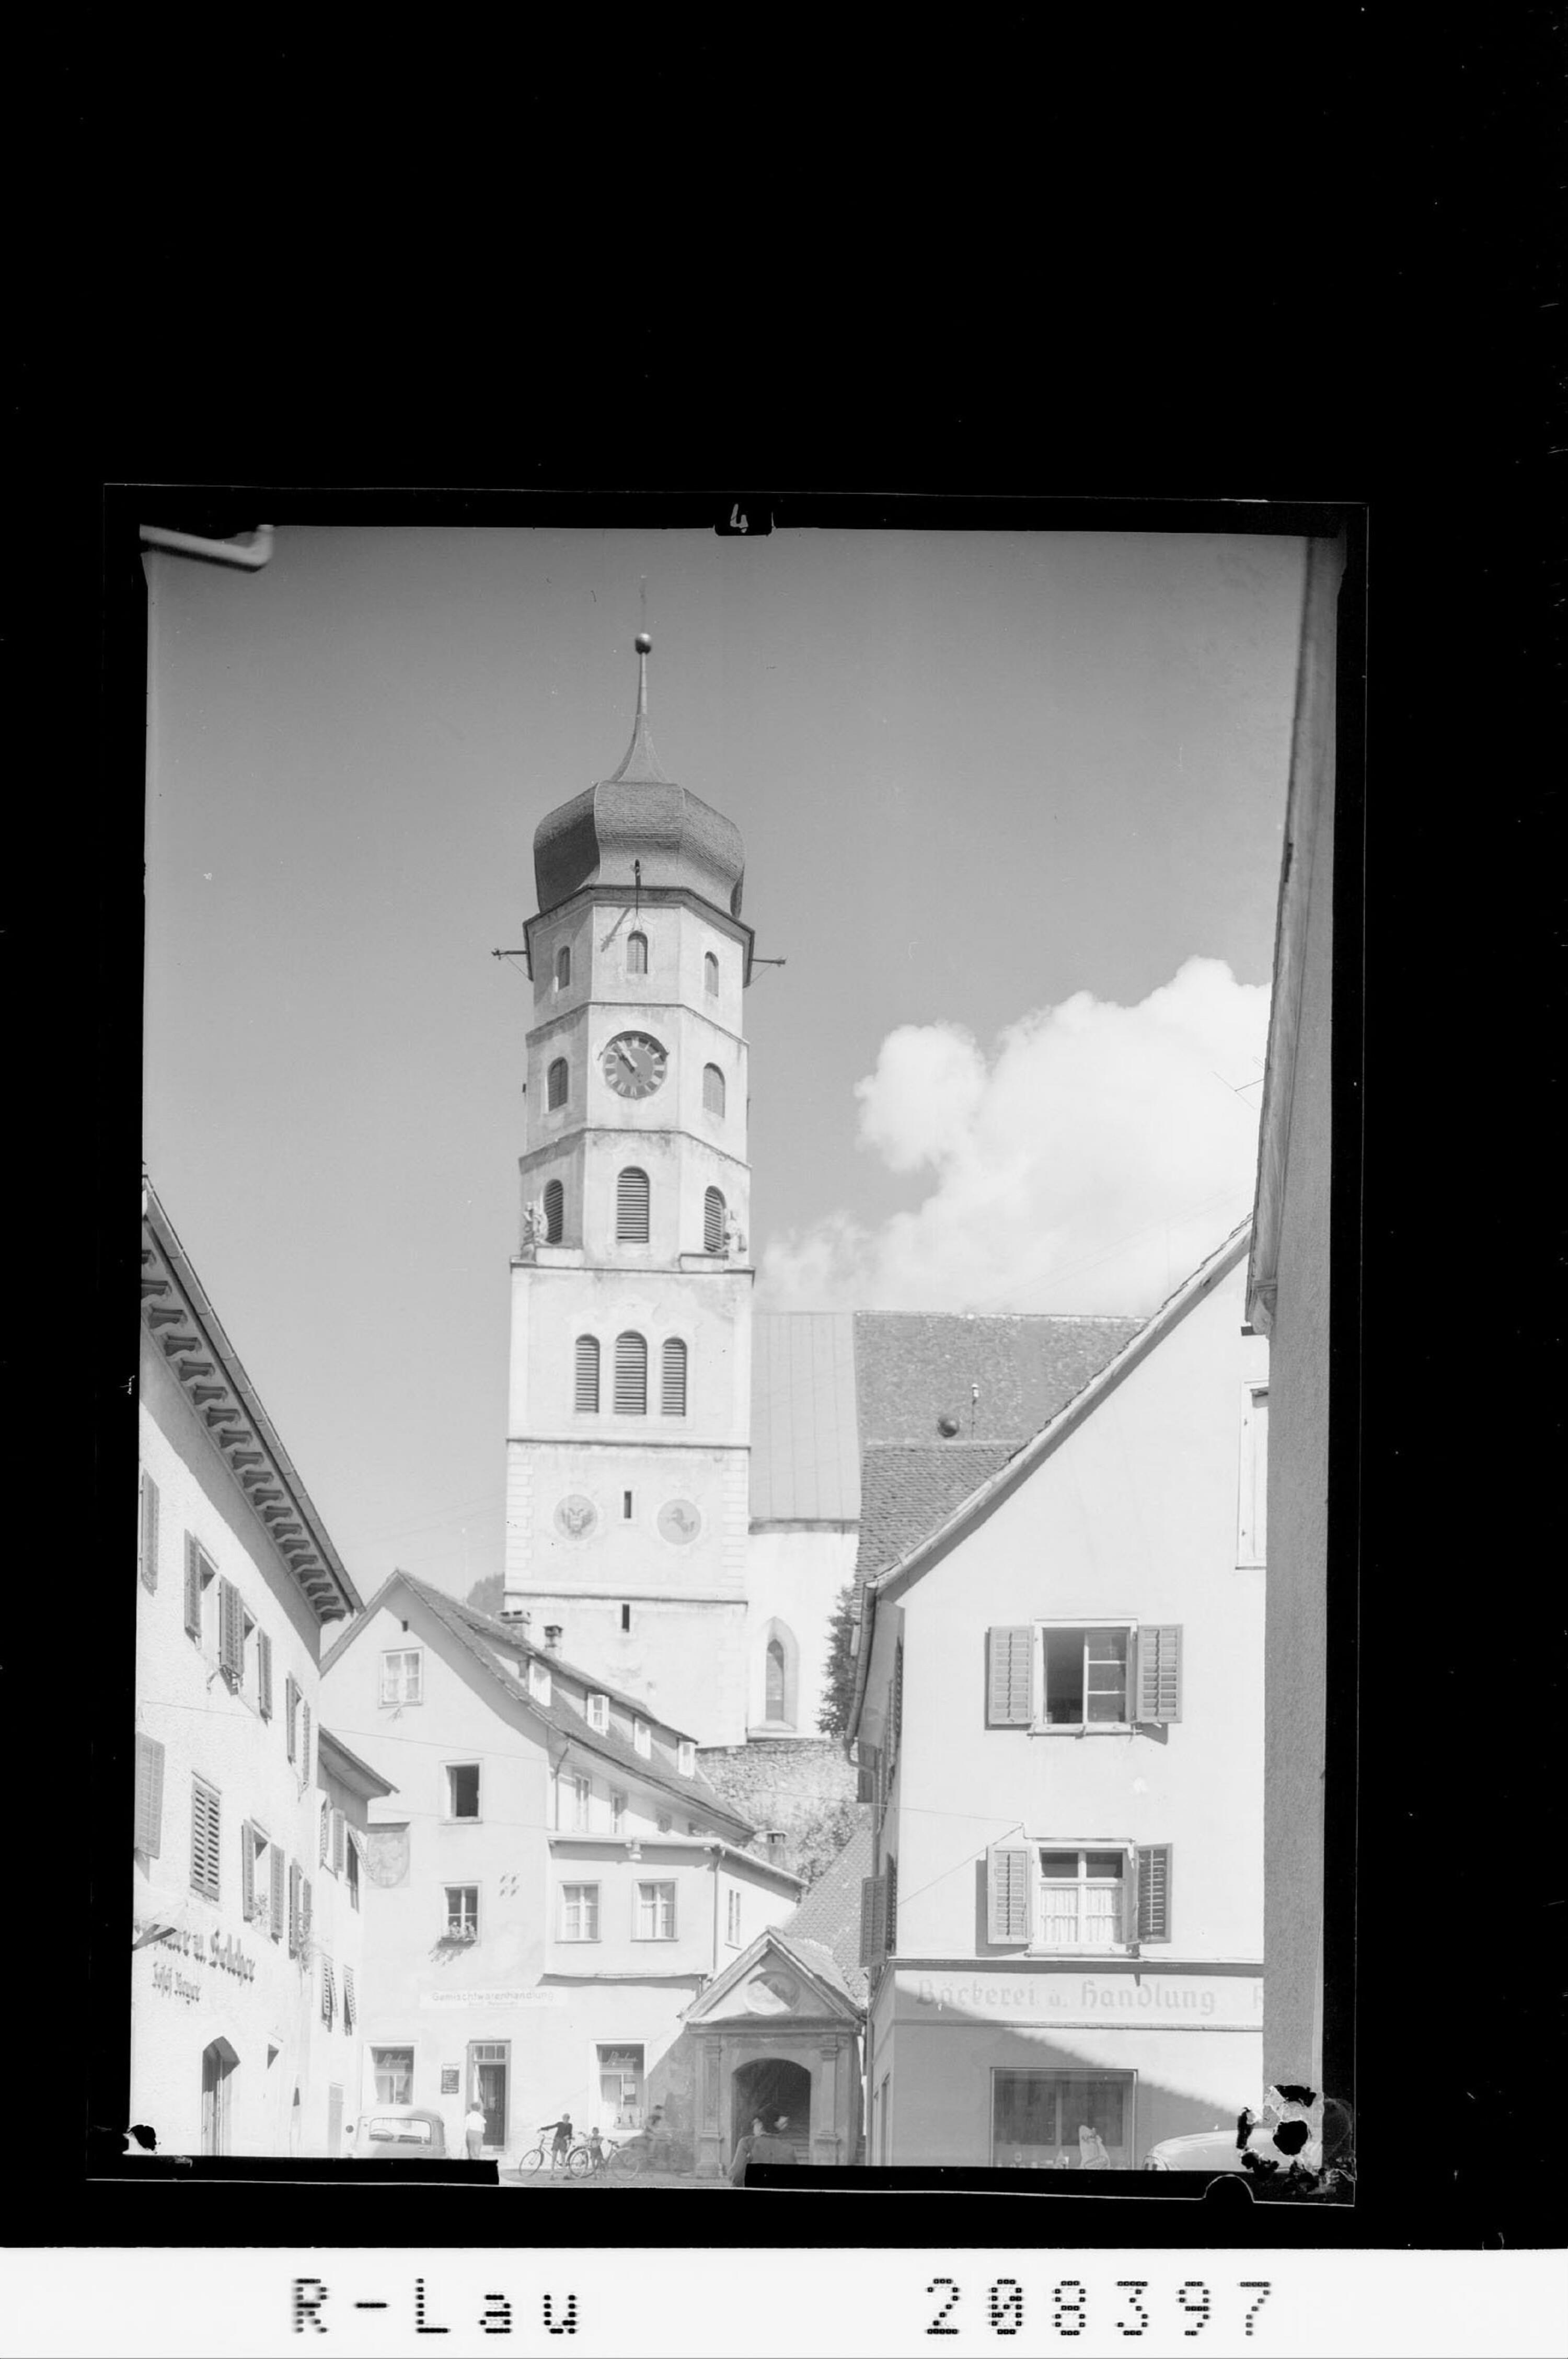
[[1133, 2312]]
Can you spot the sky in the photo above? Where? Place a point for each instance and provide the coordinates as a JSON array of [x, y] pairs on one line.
[[1012, 806]]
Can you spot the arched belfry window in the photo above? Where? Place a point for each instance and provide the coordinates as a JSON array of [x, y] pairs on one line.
[[672, 1395], [563, 966], [554, 1212], [712, 1090], [587, 1375], [631, 1207], [555, 1083], [636, 953], [630, 1375], [711, 974], [781, 1676], [713, 1222]]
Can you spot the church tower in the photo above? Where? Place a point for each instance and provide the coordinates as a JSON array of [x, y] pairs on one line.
[[628, 1430]]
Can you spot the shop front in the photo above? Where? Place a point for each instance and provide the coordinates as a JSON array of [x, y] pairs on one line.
[[219, 2033], [1051, 2067]]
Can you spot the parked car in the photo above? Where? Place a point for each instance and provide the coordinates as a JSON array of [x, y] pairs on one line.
[[412, 2132], [1199, 2151]]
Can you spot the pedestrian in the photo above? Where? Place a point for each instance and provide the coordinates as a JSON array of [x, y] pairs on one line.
[[744, 2148], [474, 2130], [1092, 2155], [561, 2143]]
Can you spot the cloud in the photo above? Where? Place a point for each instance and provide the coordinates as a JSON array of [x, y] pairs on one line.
[[1088, 1163]]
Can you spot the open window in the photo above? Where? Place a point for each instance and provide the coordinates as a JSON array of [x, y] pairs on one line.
[[462, 1789], [1074, 1678]]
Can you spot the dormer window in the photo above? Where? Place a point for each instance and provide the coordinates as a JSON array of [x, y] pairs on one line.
[[686, 1758], [539, 1682], [599, 1713], [642, 1738], [563, 966], [636, 953]]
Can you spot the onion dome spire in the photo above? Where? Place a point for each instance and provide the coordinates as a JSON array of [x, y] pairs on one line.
[[639, 760]]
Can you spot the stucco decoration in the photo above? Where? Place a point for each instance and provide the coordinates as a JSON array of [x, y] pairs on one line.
[[775, 1993], [386, 1854], [576, 1516], [679, 1521]]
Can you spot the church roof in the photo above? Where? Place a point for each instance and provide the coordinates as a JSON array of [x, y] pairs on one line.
[[826, 1925], [805, 1450], [639, 814]]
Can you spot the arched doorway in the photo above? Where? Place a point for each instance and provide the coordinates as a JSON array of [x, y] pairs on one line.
[[218, 2062], [771, 2085]]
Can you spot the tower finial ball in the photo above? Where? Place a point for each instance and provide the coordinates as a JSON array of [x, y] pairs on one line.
[[644, 643]]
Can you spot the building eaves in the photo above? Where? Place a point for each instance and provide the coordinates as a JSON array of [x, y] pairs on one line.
[[893, 1579], [180, 1318], [334, 1757]]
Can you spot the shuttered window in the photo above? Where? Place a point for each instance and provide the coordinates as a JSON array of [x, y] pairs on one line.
[[231, 1634], [873, 1920], [630, 1375], [247, 1870], [195, 1568], [1160, 1671], [305, 1746], [276, 1864], [329, 1993], [291, 1716], [148, 1566], [672, 1391], [305, 1912], [350, 2008], [891, 1926], [1154, 1892], [897, 1713], [263, 1674], [554, 1212], [339, 1842], [711, 974], [295, 1886], [631, 1207], [204, 1831], [150, 1796], [1010, 1676], [1009, 1898], [712, 1090], [713, 1222], [556, 1085], [324, 1836], [636, 953], [588, 1374]]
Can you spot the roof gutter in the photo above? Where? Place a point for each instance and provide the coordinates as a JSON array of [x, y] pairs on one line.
[[990, 1493]]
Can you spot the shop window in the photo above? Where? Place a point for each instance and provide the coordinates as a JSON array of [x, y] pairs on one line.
[[402, 1676], [630, 1375], [712, 1090], [462, 1912], [586, 1394], [713, 1222], [580, 1912], [672, 1392], [711, 974], [556, 1085], [462, 1789], [631, 1207], [656, 1919], [554, 1212], [394, 2069], [1044, 2120], [636, 953], [147, 1553]]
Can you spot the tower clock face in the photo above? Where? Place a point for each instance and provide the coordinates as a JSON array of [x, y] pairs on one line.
[[634, 1065]]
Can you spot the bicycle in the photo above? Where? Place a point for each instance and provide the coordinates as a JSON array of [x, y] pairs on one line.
[[538, 2158], [585, 2161]]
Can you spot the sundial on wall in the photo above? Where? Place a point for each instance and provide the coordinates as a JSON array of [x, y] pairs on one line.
[[576, 1516], [679, 1521]]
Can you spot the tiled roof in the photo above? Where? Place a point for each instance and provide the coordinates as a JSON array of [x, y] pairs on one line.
[[489, 1642], [804, 1450], [913, 1367], [826, 1925], [906, 1489]]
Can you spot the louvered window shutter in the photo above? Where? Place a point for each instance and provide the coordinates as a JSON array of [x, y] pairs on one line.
[[327, 1994], [713, 1222], [276, 1858], [897, 1696], [873, 1920], [293, 1908], [305, 1912], [631, 1207], [204, 1834], [230, 1631], [1010, 1676], [554, 1212], [326, 1835], [149, 1795], [305, 1745], [1160, 1671], [348, 2008], [1154, 1892], [247, 1869], [263, 1674], [892, 1927], [291, 1714], [149, 1533], [1008, 1893], [630, 1376], [339, 1845], [192, 1586], [588, 1374], [672, 1397]]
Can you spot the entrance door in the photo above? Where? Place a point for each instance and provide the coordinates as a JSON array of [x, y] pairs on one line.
[[488, 2067], [774, 2087], [218, 2062]]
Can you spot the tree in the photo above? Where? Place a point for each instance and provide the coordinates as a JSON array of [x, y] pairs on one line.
[[488, 1596], [839, 1680]]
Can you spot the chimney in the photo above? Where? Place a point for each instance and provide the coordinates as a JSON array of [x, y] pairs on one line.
[[515, 1614], [552, 1638], [775, 1840]]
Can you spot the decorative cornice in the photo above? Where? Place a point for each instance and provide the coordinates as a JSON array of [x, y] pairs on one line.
[[181, 1323]]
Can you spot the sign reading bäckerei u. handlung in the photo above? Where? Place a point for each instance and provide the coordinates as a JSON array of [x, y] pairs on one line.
[[1067, 1996]]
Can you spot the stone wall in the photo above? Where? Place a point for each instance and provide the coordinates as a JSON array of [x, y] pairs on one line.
[[794, 1786]]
